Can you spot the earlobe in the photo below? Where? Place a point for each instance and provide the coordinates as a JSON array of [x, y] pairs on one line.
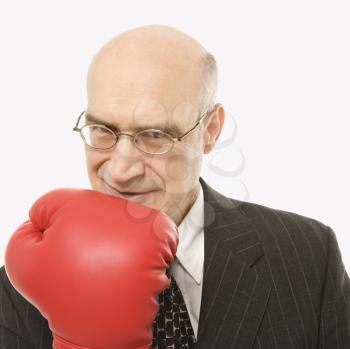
[[208, 146], [207, 149], [214, 128]]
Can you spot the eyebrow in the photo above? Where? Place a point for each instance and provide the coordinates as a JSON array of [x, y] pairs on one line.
[[172, 130]]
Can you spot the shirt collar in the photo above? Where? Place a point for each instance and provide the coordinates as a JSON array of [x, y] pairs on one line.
[[190, 251]]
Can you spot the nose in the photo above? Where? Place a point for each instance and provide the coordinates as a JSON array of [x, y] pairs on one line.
[[126, 161]]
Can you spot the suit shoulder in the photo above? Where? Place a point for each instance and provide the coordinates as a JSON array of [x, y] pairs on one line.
[[20, 317], [273, 226], [4, 280], [10, 295], [285, 226]]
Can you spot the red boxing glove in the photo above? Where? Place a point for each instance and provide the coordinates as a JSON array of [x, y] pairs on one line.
[[93, 265]]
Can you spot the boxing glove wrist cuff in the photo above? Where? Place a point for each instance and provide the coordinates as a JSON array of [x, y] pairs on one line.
[[60, 343]]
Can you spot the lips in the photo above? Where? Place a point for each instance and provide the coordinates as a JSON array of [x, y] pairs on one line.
[[125, 195], [129, 193]]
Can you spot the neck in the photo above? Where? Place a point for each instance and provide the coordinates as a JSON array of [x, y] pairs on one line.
[[185, 203]]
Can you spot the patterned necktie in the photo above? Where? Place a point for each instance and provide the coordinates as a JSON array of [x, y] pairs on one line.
[[172, 327]]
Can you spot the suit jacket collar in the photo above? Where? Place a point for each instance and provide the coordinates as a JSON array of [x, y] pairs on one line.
[[236, 285]]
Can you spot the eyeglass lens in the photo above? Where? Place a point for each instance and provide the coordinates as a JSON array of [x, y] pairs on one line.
[[149, 141]]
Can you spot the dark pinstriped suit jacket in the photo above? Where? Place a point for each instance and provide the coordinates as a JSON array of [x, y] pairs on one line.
[[272, 279]]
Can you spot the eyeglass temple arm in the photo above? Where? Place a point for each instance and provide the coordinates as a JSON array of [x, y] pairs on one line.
[[76, 128], [197, 123]]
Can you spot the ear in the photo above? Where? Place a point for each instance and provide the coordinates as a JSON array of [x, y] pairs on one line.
[[213, 127]]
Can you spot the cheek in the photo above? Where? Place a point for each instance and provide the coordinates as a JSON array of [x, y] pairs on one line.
[[180, 172], [91, 160], [94, 162], [177, 168]]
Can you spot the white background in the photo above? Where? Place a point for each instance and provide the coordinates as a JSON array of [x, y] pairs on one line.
[[284, 79]]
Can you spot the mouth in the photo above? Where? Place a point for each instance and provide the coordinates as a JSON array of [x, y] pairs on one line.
[[127, 195]]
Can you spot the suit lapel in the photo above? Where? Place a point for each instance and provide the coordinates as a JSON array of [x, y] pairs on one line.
[[236, 285]]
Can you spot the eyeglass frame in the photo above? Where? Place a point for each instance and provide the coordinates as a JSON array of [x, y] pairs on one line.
[[117, 134]]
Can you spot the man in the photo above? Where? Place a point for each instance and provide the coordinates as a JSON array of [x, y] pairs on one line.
[[247, 276]]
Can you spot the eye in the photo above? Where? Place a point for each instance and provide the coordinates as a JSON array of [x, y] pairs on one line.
[[98, 129], [153, 134]]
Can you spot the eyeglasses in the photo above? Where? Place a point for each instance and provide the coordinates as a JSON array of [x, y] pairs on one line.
[[149, 141]]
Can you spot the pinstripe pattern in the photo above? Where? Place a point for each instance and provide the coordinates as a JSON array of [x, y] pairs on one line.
[[288, 267], [272, 280]]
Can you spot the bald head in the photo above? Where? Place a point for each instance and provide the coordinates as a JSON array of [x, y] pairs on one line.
[[156, 42], [157, 62]]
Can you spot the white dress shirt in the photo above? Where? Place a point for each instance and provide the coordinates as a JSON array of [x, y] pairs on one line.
[[187, 267]]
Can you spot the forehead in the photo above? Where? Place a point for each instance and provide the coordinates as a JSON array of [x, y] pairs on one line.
[[132, 90]]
